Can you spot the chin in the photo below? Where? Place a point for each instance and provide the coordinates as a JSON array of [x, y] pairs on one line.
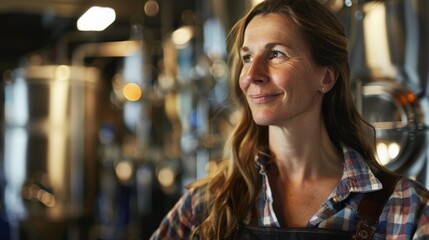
[[262, 122], [264, 119]]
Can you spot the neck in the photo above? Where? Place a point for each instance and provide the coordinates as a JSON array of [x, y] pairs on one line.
[[305, 153]]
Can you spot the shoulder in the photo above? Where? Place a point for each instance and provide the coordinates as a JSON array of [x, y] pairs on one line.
[[183, 217], [407, 210], [406, 213], [191, 204], [407, 188], [409, 196], [408, 205]]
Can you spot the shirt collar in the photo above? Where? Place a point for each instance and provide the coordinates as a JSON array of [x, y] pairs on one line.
[[357, 175]]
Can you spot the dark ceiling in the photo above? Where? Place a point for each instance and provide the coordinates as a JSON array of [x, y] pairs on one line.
[[28, 26]]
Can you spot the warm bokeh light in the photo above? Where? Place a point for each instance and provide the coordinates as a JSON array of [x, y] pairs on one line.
[[124, 171], [151, 8], [182, 36], [387, 152], [382, 153], [34, 192], [166, 177], [411, 97], [393, 150], [132, 92], [47, 199]]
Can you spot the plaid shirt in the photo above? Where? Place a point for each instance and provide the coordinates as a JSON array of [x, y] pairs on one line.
[[405, 215]]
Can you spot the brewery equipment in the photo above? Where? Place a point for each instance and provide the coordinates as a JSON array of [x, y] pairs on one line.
[[49, 150]]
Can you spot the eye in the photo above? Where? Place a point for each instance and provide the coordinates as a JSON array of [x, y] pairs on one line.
[[246, 58], [276, 57], [275, 54]]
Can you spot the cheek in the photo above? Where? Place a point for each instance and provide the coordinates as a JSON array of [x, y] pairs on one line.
[[243, 84]]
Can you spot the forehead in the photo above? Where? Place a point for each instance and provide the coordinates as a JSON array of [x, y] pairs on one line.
[[272, 27]]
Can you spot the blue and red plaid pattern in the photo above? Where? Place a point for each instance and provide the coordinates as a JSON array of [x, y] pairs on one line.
[[405, 215]]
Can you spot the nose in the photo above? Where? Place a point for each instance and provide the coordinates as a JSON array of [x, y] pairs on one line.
[[256, 71]]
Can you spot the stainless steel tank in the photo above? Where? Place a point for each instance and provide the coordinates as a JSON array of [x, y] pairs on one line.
[[389, 60], [50, 136]]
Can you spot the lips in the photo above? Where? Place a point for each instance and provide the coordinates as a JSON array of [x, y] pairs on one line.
[[263, 98]]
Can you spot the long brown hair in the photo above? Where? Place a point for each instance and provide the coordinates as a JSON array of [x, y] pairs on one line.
[[232, 190]]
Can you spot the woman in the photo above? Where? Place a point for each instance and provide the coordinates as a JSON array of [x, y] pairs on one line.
[[301, 157]]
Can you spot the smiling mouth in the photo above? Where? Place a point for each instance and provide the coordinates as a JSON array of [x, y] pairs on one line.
[[263, 98]]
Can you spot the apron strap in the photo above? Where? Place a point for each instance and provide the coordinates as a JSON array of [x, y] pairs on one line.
[[372, 204]]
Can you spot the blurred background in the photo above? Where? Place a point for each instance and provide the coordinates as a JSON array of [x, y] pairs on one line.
[[106, 117]]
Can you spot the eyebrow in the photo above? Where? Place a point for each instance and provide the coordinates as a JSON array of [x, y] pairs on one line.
[[269, 46], [244, 49]]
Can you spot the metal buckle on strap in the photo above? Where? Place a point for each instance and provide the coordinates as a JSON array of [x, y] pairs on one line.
[[366, 229]]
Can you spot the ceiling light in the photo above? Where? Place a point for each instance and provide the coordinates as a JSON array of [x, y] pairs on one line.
[[96, 19]]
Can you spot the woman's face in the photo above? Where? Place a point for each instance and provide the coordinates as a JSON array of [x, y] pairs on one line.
[[279, 78]]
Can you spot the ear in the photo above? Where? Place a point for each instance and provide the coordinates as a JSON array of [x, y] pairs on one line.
[[331, 76]]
